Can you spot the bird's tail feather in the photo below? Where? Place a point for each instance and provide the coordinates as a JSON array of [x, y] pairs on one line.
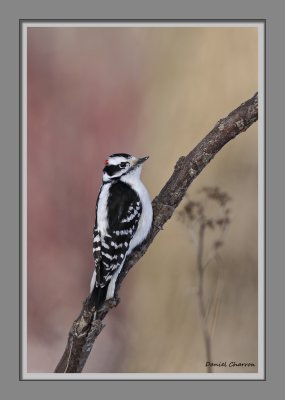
[[98, 297]]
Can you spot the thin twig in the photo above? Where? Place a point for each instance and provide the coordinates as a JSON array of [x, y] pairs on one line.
[[200, 296], [84, 330]]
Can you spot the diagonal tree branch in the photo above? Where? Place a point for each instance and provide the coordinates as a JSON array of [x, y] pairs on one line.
[[84, 329]]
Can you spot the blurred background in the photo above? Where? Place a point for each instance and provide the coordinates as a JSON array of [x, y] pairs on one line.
[[144, 91]]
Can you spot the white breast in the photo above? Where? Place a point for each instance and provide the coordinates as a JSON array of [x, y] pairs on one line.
[[133, 179]]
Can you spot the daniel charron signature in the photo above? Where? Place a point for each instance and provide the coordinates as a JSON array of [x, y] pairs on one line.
[[229, 364]]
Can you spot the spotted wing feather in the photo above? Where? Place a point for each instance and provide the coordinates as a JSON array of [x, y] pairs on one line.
[[110, 250]]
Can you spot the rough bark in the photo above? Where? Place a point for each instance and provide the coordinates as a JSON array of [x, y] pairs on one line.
[[84, 329]]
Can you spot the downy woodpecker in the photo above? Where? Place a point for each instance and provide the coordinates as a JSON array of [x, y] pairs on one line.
[[123, 221]]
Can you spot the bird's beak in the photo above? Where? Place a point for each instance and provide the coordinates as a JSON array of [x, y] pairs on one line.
[[141, 160]]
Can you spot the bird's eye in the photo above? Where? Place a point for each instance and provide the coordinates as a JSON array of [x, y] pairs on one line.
[[123, 164]]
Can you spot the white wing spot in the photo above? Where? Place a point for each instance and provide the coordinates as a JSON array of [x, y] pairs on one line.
[[130, 217], [96, 238], [107, 255], [116, 246], [107, 277]]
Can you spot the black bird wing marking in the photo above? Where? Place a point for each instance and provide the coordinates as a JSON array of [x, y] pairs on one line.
[[124, 211]]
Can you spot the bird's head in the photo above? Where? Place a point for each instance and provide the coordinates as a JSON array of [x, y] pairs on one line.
[[122, 165]]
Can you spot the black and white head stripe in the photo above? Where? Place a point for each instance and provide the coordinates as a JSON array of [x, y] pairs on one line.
[[116, 165], [124, 155], [120, 164]]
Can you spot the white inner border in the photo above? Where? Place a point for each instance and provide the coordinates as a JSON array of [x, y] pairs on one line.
[[261, 161]]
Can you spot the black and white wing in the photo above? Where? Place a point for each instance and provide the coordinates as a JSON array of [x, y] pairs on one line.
[[110, 250]]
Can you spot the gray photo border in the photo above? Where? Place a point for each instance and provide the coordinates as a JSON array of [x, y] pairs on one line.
[[10, 13], [100, 21]]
